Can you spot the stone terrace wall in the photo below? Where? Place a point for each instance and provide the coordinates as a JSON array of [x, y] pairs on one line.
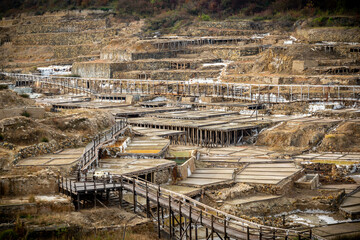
[[75, 50], [96, 69], [62, 26], [239, 25], [66, 38], [167, 75], [330, 34]]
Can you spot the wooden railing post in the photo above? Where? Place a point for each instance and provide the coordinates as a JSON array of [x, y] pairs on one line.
[[148, 202], [180, 216], [247, 233], [134, 194], [158, 213], [170, 223], [121, 190], [212, 227], [190, 234]]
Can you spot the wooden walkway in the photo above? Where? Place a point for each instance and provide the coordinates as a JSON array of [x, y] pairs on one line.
[[184, 214], [350, 206]]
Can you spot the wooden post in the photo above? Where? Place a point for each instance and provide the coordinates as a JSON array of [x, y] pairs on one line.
[[78, 201], [95, 199], [247, 233], [121, 191], [134, 195], [212, 227], [158, 212], [180, 218], [170, 224], [147, 201], [225, 234], [190, 234]]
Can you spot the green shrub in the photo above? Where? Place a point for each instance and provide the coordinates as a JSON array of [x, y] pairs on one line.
[[205, 17], [319, 21], [24, 95], [3, 87], [259, 18], [25, 114], [44, 139], [1, 137], [8, 234], [330, 22]]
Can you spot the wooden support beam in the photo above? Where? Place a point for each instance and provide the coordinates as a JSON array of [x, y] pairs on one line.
[[158, 213]]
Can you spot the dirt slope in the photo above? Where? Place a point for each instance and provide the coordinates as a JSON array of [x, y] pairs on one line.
[[346, 138], [294, 136]]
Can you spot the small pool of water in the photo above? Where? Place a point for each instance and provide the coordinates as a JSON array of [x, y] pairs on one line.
[[312, 218]]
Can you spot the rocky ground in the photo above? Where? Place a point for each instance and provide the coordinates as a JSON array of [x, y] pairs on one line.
[[25, 136]]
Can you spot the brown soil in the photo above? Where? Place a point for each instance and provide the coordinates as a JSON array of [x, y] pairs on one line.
[[10, 99], [346, 138], [58, 126], [26, 131], [292, 136], [289, 108]]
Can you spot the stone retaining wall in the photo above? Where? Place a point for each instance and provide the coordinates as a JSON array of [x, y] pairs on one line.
[[67, 38], [62, 25]]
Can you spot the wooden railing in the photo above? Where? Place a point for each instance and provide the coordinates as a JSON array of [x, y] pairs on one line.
[[90, 156], [219, 223]]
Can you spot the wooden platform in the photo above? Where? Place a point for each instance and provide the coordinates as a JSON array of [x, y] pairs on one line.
[[194, 115], [266, 173], [334, 231], [63, 158], [208, 176], [124, 166], [351, 204], [91, 105], [251, 199], [157, 132], [140, 111], [337, 158]]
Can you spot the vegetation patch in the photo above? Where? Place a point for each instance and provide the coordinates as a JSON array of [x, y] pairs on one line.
[[25, 114]]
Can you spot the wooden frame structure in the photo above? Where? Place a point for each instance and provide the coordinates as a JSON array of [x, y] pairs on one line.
[[177, 214], [266, 93]]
